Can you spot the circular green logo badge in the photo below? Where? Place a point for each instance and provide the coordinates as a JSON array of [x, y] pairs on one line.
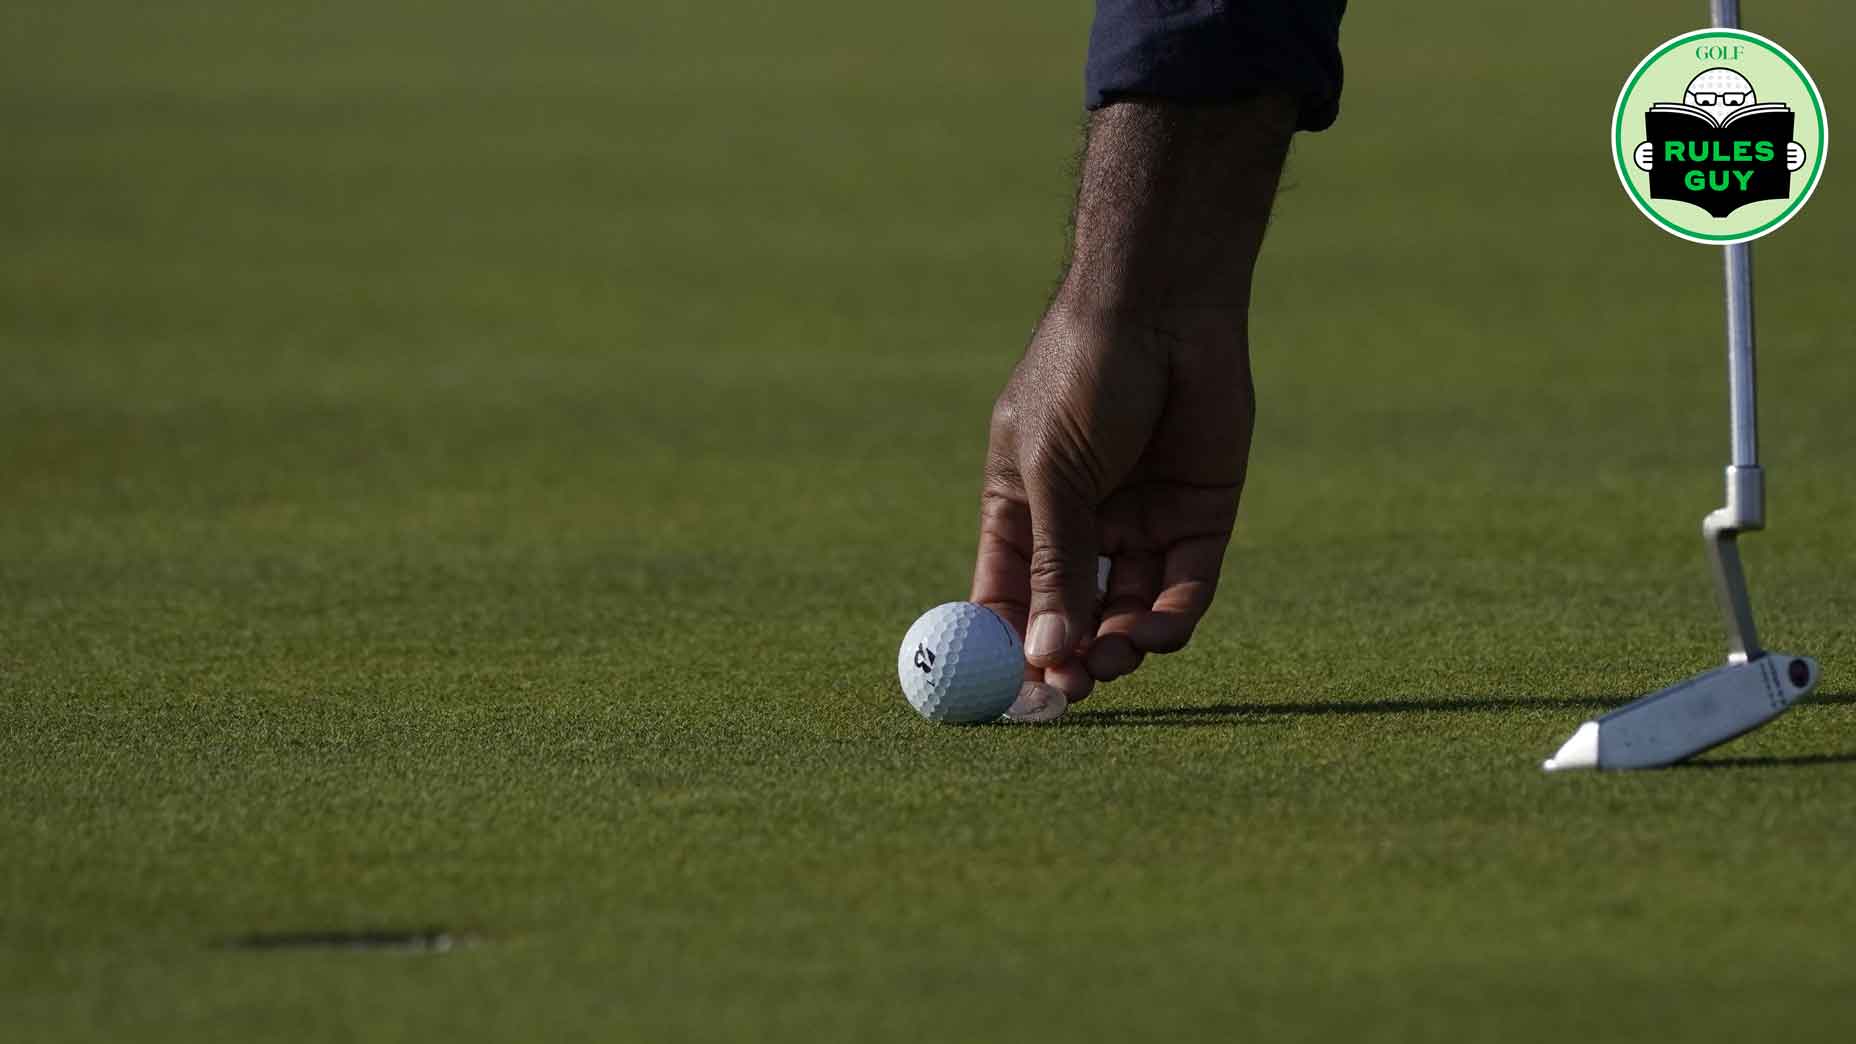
[[1719, 136]]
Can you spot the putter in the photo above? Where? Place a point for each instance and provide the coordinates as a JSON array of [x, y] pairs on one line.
[[1756, 685]]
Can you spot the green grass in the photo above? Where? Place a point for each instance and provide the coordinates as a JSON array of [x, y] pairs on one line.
[[467, 465]]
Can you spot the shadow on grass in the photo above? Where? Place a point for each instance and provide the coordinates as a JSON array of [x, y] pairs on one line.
[[1794, 761], [433, 940], [1225, 713]]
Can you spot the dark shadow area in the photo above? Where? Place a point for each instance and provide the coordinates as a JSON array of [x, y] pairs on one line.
[[1228, 713], [1794, 761], [427, 941], [1215, 713]]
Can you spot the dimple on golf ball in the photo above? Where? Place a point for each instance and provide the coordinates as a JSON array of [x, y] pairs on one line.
[[961, 662]]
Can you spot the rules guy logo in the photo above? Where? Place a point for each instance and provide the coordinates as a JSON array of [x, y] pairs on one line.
[[1719, 148], [1708, 155]]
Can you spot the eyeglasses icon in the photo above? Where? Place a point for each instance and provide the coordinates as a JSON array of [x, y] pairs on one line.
[[1727, 98]]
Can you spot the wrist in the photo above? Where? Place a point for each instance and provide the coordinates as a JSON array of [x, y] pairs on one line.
[[1165, 324]]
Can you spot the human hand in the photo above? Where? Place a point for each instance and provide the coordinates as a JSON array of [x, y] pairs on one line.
[[1125, 443]]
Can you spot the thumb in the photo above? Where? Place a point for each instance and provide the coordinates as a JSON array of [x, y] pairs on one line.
[[1063, 571]]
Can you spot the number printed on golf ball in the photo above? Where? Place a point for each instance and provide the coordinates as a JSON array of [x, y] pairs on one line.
[[961, 662]]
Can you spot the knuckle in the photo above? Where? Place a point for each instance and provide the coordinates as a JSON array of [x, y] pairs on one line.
[[1009, 410], [1005, 413], [1002, 487], [1049, 572], [996, 506]]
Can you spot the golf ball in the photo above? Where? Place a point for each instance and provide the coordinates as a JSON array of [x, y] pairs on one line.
[[960, 663]]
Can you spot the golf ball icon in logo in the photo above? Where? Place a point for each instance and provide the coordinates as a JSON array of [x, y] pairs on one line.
[[959, 663]]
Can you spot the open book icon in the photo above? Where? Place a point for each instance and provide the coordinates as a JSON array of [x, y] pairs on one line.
[[1719, 166]]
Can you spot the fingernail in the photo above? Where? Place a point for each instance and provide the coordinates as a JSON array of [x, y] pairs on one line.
[[1046, 637], [1038, 702]]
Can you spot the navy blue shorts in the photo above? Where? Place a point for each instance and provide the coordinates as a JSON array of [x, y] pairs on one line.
[[1218, 50]]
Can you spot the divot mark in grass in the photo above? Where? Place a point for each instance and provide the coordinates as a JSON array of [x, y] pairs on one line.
[[425, 941]]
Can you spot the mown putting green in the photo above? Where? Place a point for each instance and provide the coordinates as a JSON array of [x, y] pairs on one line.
[[467, 468]]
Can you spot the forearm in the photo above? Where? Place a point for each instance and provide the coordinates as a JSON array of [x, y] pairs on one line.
[[1171, 208]]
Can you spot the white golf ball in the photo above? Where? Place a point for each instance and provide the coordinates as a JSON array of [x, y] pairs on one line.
[[961, 663]]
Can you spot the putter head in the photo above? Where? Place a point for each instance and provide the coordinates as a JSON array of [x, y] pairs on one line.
[[1690, 716]]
